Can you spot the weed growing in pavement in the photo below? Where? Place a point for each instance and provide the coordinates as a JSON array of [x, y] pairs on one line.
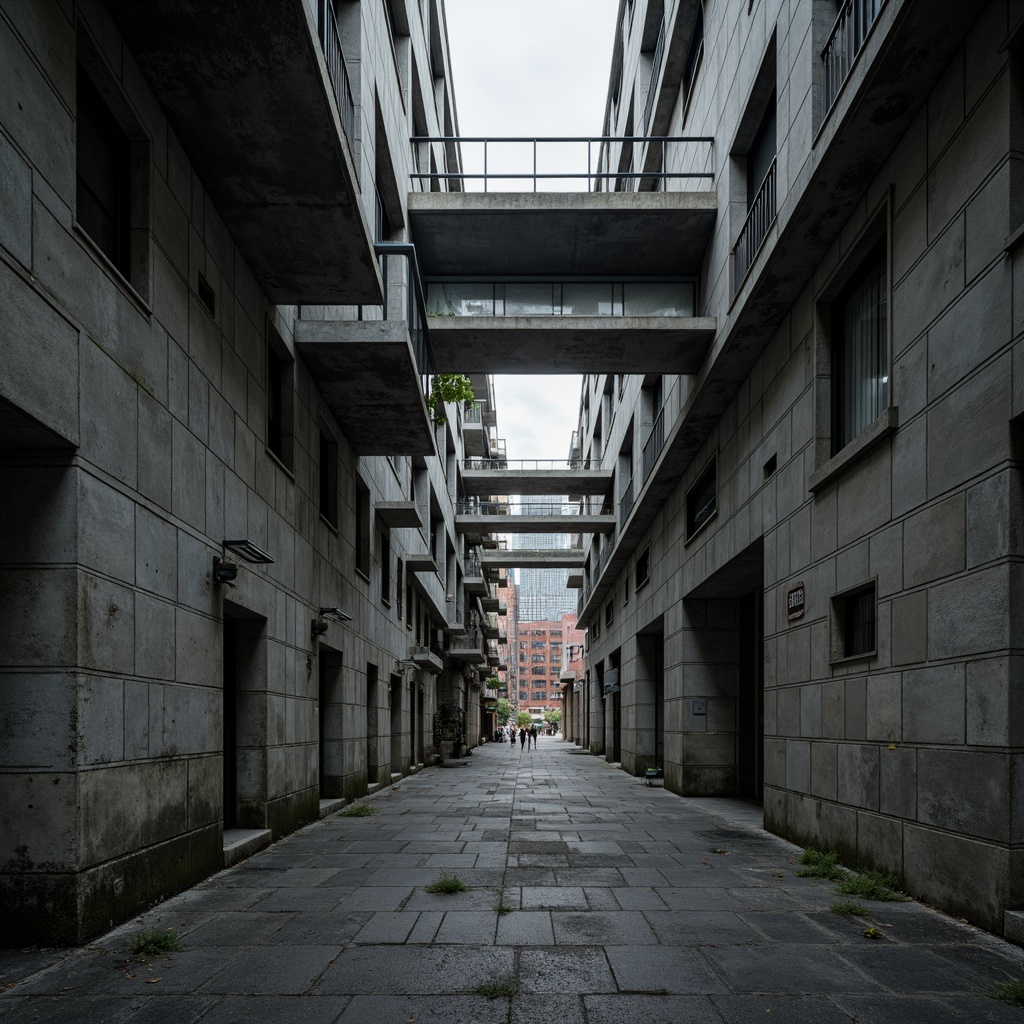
[[503, 907], [872, 885], [847, 908], [154, 943], [818, 864], [447, 883], [497, 990], [1011, 991], [358, 811]]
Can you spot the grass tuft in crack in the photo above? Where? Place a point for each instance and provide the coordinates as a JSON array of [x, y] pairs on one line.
[[847, 908], [818, 864], [155, 943], [1011, 991], [872, 885], [447, 883], [497, 990], [358, 811]]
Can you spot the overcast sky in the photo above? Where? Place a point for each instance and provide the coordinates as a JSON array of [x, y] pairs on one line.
[[532, 68]]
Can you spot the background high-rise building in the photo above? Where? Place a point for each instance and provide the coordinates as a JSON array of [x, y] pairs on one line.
[[542, 594]]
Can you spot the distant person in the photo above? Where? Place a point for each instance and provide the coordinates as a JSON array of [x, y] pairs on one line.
[[535, 734], [522, 739], [511, 737]]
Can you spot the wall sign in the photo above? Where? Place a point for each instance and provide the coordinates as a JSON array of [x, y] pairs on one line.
[[795, 602]]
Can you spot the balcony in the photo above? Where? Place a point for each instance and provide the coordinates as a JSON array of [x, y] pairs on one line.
[[574, 581], [653, 446], [760, 218], [425, 658], [533, 477], [845, 42], [468, 648], [397, 515], [258, 94]]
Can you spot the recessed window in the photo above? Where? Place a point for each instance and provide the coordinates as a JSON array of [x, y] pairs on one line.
[[385, 569], [207, 296], [702, 500], [853, 623], [643, 567], [328, 472], [362, 537], [860, 351], [280, 399], [609, 613]]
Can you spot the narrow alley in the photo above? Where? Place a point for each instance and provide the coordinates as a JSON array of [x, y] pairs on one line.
[[590, 898]]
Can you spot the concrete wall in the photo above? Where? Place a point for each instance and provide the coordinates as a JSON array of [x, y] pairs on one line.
[[905, 760]]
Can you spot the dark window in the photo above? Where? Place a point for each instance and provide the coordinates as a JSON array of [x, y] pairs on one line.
[[363, 531], [860, 352], [280, 377], [693, 55], [702, 500], [857, 611], [523, 695], [385, 569], [609, 613], [643, 568], [399, 587], [625, 590], [762, 153], [538, 670], [328, 479], [408, 606], [103, 195], [207, 295]]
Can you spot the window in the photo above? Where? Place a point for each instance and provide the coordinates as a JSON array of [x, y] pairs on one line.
[[328, 479], [701, 500], [609, 613], [538, 670], [693, 58], [523, 695], [860, 351], [853, 623], [643, 567], [385, 569], [280, 398], [362, 531], [625, 589], [399, 587], [538, 657]]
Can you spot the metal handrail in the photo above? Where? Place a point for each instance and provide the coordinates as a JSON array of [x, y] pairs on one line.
[[653, 445], [590, 175], [532, 465], [562, 509], [626, 502], [416, 312], [330, 43], [755, 228], [843, 45]]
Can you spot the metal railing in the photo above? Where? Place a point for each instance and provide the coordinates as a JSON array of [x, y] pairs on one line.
[[626, 502], [330, 42], [535, 508], [593, 174], [416, 308], [473, 566], [845, 42], [759, 219], [531, 465], [653, 445], [472, 640], [472, 413], [652, 88]]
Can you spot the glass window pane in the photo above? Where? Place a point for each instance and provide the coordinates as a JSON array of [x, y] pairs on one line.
[[528, 300], [587, 299], [460, 298], [673, 298]]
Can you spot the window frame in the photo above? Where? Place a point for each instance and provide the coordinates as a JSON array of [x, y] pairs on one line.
[[840, 626], [708, 474], [327, 477]]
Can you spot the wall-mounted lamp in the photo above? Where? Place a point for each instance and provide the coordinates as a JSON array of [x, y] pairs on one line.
[[320, 625], [318, 628], [224, 572], [336, 613], [248, 552]]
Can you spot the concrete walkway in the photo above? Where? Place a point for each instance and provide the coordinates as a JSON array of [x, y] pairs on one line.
[[626, 904]]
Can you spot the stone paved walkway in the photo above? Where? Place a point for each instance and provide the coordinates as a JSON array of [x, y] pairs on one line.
[[626, 904]]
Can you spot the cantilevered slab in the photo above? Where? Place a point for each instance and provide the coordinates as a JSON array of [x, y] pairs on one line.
[[556, 558], [399, 514], [570, 344], [247, 89], [366, 372], [535, 234], [535, 524], [536, 481]]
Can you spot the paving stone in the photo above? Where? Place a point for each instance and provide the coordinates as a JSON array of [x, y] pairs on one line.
[[662, 969], [474, 928], [277, 970], [650, 1009], [270, 1010], [596, 928], [790, 1009], [469, 1009], [565, 969], [412, 970], [793, 969]]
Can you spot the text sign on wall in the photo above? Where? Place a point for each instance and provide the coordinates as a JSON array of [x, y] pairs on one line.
[[795, 602]]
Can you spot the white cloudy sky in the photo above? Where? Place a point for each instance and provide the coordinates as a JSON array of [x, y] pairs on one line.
[[532, 68]]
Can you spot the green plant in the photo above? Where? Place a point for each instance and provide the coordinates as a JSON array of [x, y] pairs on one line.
[[503, 710], [504, 908], [818, 864], [523, 720], [554, 716], [871, 885], [872, 933], [154, 943], [492, 682], [447, 387], [358, 811], [847, 908], [447, 883], [1011, 991], [496, 990]]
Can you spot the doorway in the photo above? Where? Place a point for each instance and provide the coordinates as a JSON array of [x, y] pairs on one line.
[[330, 724], [372, 726], [395, 688], [750, 711], [244, 699]]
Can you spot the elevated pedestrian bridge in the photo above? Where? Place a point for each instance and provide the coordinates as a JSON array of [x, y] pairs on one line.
[[479, 517], [534, 477]]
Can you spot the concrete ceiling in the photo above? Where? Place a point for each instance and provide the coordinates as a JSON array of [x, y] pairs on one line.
[[561, 234]]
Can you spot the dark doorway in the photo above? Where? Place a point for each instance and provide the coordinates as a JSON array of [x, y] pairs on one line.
[[230, 720], [372, 726], [330, 724], [750, 755], [396, 687]]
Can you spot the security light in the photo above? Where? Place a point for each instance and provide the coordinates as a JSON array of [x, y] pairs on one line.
[[336, 613], [224, 572], [248, 552]]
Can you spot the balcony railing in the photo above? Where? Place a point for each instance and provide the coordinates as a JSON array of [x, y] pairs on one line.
[[759, 219], [535, 508], [546, 298], [416, 307], [626, 503], [653, 445], [530, 465], [330, 41], [845, 42], [472, 412], [522, 157]]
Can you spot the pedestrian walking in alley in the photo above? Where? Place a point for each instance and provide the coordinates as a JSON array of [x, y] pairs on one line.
[[511, 737], [534, 735], [522, 739]]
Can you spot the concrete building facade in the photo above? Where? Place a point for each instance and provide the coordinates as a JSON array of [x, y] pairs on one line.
[[811, 598], [230, 578]]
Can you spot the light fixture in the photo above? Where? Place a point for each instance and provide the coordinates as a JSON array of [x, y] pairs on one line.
[[336, 613], [320, 625], [318, 628], [248, 552], [224, 572]]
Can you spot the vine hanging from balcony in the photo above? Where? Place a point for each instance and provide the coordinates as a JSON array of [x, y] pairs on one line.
[[448, 387]]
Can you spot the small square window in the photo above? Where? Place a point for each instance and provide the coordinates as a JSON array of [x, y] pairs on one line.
[[702, 500], [853, 623]]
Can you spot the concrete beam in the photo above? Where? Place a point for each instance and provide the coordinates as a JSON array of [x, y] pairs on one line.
[[576, 234], [535, 524], [368, 377], [570, 344], [536, 481], [246, 87], [526, 558]]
